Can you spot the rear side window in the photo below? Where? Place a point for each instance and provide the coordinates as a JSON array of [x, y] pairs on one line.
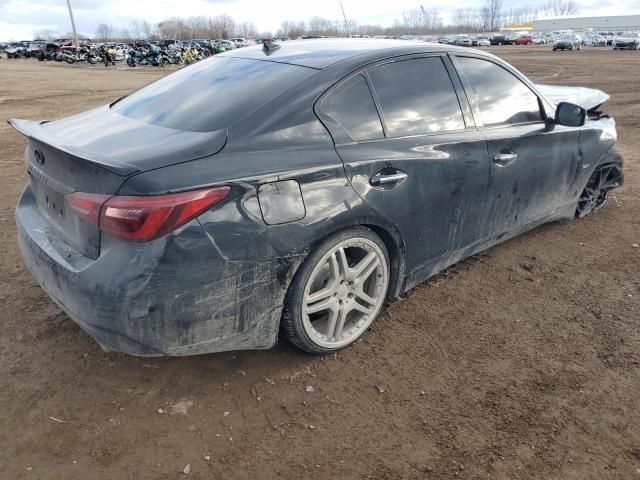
[[417, 97], [352, 110], [212, 94], [502, 98]]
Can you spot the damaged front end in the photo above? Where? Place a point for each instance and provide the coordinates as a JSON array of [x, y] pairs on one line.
[[590, 99]]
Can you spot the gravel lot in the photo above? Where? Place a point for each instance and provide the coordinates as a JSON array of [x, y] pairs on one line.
[[519, 363]]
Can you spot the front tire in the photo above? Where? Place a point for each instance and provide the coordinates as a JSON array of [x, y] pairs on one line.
[[594, 196], [338, 292]]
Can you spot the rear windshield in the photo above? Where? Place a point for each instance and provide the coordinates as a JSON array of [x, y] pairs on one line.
[[212, 94]]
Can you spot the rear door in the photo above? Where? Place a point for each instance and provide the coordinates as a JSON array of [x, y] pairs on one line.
[[410, 149], [533, 168]]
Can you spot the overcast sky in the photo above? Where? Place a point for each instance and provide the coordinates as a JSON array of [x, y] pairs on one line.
[[19, 19]]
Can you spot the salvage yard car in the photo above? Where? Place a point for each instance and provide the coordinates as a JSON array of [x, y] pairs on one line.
[[523, 40], [567, 42], [239, 198], [627, 41]]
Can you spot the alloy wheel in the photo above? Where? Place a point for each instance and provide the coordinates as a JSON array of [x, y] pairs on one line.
[[595, 192], [344, 293]]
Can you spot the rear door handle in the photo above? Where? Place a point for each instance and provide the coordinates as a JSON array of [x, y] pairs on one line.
[[389, 178], [504, 159]]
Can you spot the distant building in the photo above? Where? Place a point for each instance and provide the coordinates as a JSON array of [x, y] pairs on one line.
[[518, 27], [614, 23]]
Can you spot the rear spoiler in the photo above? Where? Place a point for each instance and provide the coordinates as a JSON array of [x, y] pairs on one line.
[[36, 131]]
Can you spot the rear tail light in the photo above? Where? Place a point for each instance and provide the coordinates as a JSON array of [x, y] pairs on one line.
[[144, 218]]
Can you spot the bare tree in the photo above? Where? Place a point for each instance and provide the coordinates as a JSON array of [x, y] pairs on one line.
[[413, 20], [560, 8], [148, 30], [46, 35], [519, 15], [431, 20], [123, 34], [371, 30], [246, 30], [104, 32], [467, 20], [322, 26], [173, 28], [492, 14], [136, 30]]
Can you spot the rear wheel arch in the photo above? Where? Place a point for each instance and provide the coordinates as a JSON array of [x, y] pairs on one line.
[[395, 250], [296, 327], [392, 240]]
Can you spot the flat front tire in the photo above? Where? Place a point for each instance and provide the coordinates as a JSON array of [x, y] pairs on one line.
[[594, 196], [338, 292]]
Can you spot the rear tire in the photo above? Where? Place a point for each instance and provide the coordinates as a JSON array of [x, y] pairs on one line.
[[338, 292]]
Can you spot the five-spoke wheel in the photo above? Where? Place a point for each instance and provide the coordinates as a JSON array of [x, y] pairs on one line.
[[338, 292]]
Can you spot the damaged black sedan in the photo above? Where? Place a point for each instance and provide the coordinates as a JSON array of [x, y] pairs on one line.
[[294, 188]]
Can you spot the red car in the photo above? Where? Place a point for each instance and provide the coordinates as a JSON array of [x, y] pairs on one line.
[[526, 40]]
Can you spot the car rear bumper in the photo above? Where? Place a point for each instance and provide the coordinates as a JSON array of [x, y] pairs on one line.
[[177, 295]]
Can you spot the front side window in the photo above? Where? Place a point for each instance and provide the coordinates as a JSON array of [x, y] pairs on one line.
[[352, 109], [502, 98], [416, 97]]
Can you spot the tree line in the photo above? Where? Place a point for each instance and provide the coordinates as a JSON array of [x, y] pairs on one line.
[[490, 17]]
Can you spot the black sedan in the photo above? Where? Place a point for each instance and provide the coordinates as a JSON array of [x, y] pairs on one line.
[[293, 188], [567, 42]]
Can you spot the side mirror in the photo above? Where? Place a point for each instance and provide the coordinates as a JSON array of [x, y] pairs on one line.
[[570, 115]]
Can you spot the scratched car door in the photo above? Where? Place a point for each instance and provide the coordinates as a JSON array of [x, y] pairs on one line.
[[412, 152], [533, 167]]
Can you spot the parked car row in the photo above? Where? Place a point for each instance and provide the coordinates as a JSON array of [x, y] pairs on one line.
[[139, 52]]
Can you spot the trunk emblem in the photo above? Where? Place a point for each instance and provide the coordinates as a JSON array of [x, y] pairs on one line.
[[39, 157]]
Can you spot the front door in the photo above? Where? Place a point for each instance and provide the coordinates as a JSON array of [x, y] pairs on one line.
[[533, 168]]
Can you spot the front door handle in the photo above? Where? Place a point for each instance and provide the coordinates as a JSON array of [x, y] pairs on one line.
[[504, 159], [387, 178]]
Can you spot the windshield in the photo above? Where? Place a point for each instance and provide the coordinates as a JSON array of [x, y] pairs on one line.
[[212, 94]]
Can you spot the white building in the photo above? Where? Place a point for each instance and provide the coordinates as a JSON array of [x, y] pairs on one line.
[[614, 23]]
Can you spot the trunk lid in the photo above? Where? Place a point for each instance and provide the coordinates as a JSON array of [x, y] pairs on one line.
[[52, 175], [95, 152]]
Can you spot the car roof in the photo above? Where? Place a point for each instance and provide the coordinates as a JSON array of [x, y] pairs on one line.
[[320, 53]]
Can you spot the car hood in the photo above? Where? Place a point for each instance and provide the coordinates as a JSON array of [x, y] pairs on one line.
[[587, 98], [626, 39], [121, 144]]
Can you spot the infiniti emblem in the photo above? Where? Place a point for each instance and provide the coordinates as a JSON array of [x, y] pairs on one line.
[[39, 157]]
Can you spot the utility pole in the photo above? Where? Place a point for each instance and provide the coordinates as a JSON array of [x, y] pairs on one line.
[[73, 24], [424, 15], [346, 25]]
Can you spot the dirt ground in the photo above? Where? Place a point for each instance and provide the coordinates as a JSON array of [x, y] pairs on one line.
[[519, 363]]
